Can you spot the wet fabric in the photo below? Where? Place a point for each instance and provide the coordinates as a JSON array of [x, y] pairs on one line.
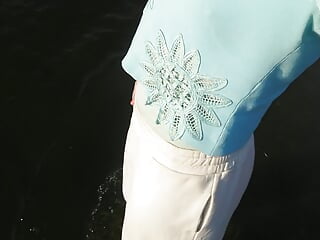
[[173, 193], [211, 68]]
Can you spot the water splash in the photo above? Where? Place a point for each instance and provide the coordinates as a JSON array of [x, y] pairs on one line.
[[107, 216]]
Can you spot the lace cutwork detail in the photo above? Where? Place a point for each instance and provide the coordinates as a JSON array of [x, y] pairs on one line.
[[185, 97], [150, 3]]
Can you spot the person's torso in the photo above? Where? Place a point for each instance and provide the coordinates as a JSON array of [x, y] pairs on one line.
[[209, 69]]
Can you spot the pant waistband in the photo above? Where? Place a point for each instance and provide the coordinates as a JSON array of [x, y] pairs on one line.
[[186, 160]]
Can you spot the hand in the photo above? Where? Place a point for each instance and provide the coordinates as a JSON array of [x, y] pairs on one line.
[[133, 94]]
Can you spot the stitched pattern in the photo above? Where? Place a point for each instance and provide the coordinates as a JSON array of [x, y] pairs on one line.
[[150, 3], [185, 97]]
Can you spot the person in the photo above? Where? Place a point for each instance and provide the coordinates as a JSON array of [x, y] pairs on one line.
[[205, 74]]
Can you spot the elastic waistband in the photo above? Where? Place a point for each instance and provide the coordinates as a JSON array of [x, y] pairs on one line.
[[186, 160]]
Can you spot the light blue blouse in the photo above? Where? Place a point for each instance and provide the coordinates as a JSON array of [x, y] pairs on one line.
[[213, 67]]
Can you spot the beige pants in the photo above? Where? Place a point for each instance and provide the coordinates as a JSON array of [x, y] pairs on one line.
[[173, 193]]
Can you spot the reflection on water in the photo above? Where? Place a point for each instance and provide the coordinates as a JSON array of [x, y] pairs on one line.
[[60, 81], [107, 216]]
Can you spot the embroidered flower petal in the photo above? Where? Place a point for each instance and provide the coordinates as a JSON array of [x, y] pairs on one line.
[[151, 2], [154, 97], [163, 114], [150, 84], [177, 127], [162, 46], [148, 67], [153, 54], [208, 115], [185, 98], [215, 100], [205, 83], [193, 125], [192, 63], [177, 50]]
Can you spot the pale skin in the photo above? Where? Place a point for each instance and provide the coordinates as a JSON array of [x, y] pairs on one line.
[[133, 94]]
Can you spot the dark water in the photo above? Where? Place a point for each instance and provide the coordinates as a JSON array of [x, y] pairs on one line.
[[64, 116]]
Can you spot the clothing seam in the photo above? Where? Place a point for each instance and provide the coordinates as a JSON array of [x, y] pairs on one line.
[[214, 176], [193, 174], [252, 90]]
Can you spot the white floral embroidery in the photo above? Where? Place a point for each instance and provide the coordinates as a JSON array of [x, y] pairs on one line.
[[185, 97], [150, 3]]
